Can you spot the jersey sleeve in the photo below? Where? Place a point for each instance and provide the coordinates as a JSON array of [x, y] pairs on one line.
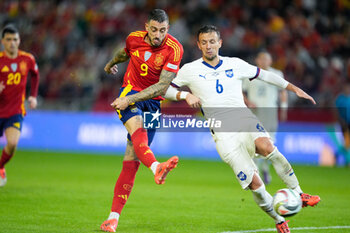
[[172, 64], [34, 82], [280, 73], [247, 70], [181, 78], [128, 45]]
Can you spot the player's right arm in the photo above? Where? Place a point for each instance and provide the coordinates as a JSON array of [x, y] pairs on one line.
[[119, 57], [173, 93]]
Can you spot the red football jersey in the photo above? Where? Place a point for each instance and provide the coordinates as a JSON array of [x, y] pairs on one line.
[[13, 75], [147, 62]]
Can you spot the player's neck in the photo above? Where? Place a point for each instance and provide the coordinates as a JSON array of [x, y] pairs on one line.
[[213, 62], [11, 55], [147, 40]]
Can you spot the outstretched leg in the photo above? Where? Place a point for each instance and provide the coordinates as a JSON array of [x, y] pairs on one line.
[[239, 157], [283, 169], [122, 188], [263, 198], [143, 152]]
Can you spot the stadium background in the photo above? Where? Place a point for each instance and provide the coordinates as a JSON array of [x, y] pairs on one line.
[[72, 41], [60, 180]]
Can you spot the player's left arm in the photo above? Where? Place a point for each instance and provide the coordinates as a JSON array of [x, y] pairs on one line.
[[276, 80], [34, 84], [299, 92], [174, 94], [150, 92]]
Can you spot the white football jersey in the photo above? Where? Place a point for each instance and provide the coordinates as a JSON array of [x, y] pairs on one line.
[[261, 93], [219, 86], [220, 91], [265, 97]]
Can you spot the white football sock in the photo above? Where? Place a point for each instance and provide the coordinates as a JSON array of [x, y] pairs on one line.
[[283, 169], [264, 200], [113, 215], [154, 167], [298, 190]]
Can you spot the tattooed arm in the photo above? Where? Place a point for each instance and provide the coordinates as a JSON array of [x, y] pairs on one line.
[[119, 57], [150, 92]]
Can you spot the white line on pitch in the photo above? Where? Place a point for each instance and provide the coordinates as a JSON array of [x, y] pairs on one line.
[[293, 228]]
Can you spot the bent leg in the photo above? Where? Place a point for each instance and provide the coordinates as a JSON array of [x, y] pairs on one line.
[[263, 199], [281, 165], [139, 140]]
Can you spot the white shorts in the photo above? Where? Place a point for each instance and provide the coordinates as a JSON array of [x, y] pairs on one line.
[[238, 150]]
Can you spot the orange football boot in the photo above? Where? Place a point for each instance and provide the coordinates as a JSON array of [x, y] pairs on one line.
[[164, 168], [309, 200], [283, 227], [109, 225]]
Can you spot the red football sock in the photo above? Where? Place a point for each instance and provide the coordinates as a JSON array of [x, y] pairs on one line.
[[4, 158], [139, 140], [124, 185]]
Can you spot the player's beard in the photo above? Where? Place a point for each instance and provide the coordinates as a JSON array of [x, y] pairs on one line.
[[151, 41], [12, 51], [211, 58], [156, 44]]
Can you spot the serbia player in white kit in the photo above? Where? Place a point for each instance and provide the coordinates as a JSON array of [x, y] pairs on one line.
[[263, 99], [217, 81]]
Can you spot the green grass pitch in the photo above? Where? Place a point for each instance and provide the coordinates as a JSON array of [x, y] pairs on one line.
[[70, 192]]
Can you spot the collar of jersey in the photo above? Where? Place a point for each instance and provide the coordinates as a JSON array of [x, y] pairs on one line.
[[213, 67]]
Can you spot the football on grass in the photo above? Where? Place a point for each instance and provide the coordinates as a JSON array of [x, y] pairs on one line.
[[287, 202]]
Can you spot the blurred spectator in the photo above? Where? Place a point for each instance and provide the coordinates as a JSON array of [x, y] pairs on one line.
[[71, 40], [343, 107]]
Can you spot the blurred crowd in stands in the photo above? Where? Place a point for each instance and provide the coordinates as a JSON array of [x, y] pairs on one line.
[[73, 39]]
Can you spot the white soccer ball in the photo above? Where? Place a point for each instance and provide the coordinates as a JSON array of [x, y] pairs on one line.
[[287, 202]]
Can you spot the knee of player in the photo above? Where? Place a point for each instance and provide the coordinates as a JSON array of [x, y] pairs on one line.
[[264, 147], [256, 182], [11, 146]]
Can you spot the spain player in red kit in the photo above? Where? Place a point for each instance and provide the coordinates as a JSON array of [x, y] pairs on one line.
[[155, 57], [14, 68]]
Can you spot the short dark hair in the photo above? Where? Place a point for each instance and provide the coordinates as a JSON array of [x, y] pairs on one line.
[[9, 29], [158, 15], [208, 29]]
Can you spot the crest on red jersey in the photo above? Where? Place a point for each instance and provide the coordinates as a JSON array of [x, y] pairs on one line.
[[147, 55], [158, 61], [23, 67], [14, 67]]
